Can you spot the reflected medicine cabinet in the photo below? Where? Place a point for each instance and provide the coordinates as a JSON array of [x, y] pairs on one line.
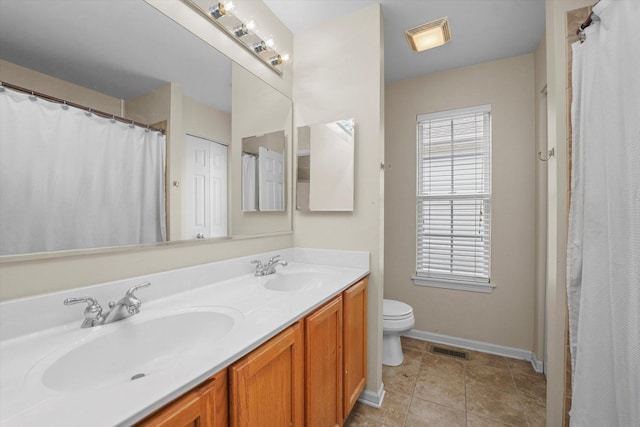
[[325, 178]]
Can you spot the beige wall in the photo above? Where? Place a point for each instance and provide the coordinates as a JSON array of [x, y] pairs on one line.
[[506, 316], [557, 203], [31, 275], [540, 62], [329, 64], [39, 82]]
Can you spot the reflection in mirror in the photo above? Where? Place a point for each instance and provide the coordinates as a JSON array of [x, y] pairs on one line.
[[263, 172], [205, 188], [130, 60], [259, 109], [91, 181], [325, 166]]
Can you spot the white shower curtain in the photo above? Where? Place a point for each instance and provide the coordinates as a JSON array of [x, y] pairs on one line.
[[603, 260], [69, 180], [249, 183]]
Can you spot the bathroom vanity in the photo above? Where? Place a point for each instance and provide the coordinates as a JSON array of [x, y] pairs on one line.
[[285, 348], [310, 374]]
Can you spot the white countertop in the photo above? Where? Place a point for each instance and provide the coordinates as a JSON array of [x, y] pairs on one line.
[[259, 314]]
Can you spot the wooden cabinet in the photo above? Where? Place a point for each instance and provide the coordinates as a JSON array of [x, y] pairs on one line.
[[267, 386], [323, 366], [336, 357], [204, 406], [355, 343]]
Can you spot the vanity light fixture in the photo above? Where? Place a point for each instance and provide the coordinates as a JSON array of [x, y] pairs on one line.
[[429, 35], [242, 31]]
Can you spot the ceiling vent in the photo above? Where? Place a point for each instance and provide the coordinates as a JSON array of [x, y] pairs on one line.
[[429, 35]]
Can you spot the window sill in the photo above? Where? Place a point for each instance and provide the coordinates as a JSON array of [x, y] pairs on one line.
[[485, 288]]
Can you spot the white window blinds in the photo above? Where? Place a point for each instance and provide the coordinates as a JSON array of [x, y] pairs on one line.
[[453, 203]]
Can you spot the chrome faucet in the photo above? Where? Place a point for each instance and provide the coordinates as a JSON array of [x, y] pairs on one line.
[[128, 306], [269, 267]]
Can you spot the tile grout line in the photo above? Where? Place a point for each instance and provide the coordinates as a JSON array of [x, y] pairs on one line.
[[466, 413], [515, 384]]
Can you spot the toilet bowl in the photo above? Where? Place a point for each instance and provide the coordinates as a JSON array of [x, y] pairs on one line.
[[397, 317]]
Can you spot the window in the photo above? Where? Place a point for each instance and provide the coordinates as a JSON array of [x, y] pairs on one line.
[[453, 200]]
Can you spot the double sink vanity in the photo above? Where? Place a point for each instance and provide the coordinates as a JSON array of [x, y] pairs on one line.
[[226, 343]]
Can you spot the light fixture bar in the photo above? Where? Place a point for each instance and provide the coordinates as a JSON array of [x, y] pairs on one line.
[[243, 33]]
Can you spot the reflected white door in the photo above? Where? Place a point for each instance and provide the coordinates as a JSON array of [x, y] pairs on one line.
[[205, 189], [271, 179]]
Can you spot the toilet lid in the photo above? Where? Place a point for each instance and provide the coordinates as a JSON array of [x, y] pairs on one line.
[[394, 309]]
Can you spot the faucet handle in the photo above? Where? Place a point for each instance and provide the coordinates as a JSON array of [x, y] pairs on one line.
[[134, 303], [92, 303], [273, 259], [136, 287], [92, 313], [257, 262]]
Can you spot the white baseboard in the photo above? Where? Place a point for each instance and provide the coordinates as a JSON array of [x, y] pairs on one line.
[[538, 365], [499, 350], [372, 398]]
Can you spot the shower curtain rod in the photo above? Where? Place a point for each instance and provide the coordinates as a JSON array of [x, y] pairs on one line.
[[79, 106]]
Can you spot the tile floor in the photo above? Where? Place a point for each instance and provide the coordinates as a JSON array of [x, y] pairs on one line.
[[436, 390]]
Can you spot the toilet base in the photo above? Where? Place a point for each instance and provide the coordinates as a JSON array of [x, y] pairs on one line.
[[392, 350]]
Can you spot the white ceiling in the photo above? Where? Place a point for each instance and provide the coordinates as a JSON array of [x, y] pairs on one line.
[[122, 48], [482, 30]]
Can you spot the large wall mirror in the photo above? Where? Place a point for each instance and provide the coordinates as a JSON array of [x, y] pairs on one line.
[[128, 59]]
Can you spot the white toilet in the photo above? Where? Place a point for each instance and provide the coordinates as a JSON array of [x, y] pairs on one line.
[[397, 317]]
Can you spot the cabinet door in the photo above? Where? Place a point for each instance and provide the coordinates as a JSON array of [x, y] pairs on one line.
[[204, 406], [267, 386], [355, 343], [323, 366]]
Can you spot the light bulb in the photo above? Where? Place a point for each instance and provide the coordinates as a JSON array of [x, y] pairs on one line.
[[241, 30], [259, 47], [218, 11], [276, 60]]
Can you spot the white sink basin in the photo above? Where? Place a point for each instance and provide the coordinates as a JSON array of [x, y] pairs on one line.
[[294, 281], [128, 350]]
